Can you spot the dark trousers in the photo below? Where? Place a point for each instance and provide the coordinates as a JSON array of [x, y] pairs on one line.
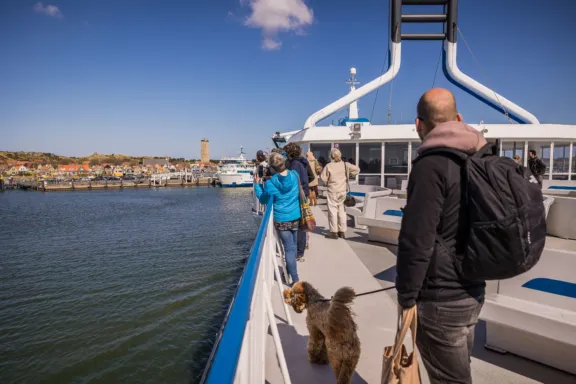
[[540, 179], [445, 338]]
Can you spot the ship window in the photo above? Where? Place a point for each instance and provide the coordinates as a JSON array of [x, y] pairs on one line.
[[396, 158], [561, 159], [513, 148], [348, 151], [369, 180], [370, 158], [321, 152], [415, 146], [573, 161], [394, 181], [542, 149]]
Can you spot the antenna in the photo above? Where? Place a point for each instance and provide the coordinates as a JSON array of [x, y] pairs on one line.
[[352, 80], [353, 107]]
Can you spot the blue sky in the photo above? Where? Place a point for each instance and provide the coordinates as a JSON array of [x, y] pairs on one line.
[[154, 77]]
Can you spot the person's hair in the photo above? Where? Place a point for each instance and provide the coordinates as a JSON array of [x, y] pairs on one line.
[[532, 152], [277, 162], [516, 157], [336, 155], [435, 111], [293, 150], [275, 150]]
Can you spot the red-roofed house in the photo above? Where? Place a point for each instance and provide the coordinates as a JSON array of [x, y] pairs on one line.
[[67, 169]]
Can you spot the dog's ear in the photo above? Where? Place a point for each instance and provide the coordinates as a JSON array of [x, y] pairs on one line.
[[299, 301], [288, 296]]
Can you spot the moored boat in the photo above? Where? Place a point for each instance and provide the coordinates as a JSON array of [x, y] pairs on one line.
[[235, 172]]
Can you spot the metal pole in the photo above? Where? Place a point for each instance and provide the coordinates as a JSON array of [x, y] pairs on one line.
[[276, 336], [279, 281]]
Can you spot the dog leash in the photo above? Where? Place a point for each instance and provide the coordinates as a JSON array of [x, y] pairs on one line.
[[365, 293]]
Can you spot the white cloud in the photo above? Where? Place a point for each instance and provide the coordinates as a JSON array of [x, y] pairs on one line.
[[48, 10], [275, 16], [270, 44]]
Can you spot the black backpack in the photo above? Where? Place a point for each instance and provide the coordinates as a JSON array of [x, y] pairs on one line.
[[506, 216]]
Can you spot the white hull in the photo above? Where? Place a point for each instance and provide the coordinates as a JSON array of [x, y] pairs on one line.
[[236, 180]]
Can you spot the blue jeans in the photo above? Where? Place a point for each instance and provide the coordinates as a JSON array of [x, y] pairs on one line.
[[301, 244], [289, 241]]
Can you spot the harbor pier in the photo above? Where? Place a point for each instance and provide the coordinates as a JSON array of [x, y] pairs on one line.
[[149, 182]]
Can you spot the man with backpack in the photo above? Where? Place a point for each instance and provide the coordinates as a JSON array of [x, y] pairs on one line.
[[537, 166], [460, 227]]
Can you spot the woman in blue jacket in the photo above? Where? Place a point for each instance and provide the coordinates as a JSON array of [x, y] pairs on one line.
[[283, 188]]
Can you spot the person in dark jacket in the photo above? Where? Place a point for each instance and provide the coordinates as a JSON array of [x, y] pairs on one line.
[[536, 166], [433, 231], [300, 165]]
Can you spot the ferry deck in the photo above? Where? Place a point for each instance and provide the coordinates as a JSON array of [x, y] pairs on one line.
[[331, 264]]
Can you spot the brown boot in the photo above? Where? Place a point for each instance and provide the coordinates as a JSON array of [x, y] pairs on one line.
[[341, 235], [332, 235]]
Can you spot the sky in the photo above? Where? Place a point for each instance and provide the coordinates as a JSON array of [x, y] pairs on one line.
[[155, 77]]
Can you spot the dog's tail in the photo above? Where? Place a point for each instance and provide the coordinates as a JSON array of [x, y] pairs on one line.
[[339, 313]]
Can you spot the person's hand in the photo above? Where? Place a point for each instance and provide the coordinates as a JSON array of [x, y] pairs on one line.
[[256, 179]]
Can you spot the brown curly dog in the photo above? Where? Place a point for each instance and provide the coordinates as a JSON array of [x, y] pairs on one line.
[[333, 337]]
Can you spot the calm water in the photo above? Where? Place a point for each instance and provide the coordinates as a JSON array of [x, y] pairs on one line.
[[117, 286]]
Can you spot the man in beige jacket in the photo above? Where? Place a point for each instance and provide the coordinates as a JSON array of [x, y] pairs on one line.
[[335, 176]]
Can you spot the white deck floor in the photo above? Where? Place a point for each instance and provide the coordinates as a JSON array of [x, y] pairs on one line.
[[331, 264]]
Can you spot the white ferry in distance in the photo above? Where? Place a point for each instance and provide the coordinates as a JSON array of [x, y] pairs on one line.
[[235, 171]]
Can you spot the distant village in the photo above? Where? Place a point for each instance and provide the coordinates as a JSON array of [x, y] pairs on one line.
[[146, 167], [94, 168]]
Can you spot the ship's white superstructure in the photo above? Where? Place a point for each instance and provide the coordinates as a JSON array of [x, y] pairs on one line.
[[235, 172]]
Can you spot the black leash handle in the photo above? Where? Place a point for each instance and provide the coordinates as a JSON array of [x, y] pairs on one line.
[[366, 293]]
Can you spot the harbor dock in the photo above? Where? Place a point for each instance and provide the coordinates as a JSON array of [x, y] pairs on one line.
[[354, 262], [74, 185]]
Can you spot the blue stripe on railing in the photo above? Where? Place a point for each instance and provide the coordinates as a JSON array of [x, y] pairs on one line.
[[359, 194], [223, 367]]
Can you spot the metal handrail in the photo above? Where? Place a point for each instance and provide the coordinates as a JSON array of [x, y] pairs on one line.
[[239, 353]]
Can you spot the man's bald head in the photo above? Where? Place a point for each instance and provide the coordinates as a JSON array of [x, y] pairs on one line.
[[436, 106]]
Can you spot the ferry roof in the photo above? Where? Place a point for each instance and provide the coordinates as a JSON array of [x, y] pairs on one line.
[[408, 132]]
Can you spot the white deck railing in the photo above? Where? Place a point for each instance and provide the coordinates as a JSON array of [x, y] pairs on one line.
[[239, 354]]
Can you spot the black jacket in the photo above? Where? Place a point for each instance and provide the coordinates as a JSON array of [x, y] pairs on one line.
[[425, 269], [302, 166], [537, 166]]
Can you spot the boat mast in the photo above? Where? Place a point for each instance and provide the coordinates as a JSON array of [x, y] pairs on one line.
[[353, 108]]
